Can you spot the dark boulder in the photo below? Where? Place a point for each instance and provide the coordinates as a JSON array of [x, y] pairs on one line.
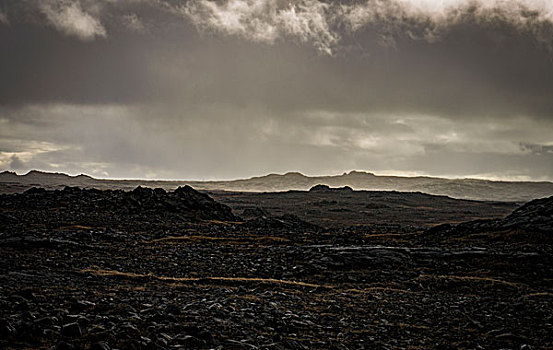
[[536, 215], [71, 330], [100, 346], [327, 189], [320, 188], [288, 222], [533, 217], [252, 213], [203, 205], [64, 346]]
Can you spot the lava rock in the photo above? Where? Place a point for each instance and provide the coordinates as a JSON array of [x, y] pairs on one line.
[[64, 346], [71, 330], [100, 346]]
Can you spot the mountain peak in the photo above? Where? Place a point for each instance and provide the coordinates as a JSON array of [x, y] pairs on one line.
[[358, 173], [294, 174], [47, 174], [33, 173]]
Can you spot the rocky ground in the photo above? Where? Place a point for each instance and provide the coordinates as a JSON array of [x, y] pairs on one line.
[[149, 269], [342, 207]]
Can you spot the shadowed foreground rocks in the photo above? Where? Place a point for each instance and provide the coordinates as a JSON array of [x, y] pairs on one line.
[[532, 221], [150, 269], [183, 203]]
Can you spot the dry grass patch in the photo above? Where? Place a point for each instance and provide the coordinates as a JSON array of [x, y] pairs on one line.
[[390, 234], [380, 289], [101, 272], [74, 227], [472, 279], [196, 238], [540, 294]]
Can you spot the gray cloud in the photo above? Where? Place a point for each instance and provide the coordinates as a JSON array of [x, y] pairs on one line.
[[323, 24], [326, 25], [429, 20], [457, 77], [267, 20], [69, 18], [536, 149], [16, 164], [3, 18], [223, 89], [133, 23], [220, 142]]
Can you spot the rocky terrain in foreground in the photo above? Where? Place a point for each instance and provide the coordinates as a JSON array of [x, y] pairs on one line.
[[150, 269]]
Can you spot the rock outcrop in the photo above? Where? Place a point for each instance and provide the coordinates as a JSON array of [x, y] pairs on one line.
[[184, 202], [536, 215], [533, 217]]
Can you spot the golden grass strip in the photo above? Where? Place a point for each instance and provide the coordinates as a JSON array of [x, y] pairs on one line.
[[219, 222], [383, 289], [74, 227], [539, 294], [473, 278], [388, 235], [380, 325], [101, 272], [210, 238]]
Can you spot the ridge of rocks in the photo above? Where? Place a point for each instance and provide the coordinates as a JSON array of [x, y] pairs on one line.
[[535, 216], [184, 201]]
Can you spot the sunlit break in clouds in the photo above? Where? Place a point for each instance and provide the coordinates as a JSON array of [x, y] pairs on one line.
[[204, 89]]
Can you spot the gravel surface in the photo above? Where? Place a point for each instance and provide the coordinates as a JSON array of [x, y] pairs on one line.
[[89, 269]]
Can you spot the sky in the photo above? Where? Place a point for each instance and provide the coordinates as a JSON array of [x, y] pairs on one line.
[[204, 89]]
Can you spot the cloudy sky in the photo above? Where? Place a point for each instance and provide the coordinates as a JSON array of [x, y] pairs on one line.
[[220, 89]]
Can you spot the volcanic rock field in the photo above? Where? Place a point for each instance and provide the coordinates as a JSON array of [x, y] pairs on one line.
[[320, 269]]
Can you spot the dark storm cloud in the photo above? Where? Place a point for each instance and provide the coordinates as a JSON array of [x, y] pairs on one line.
[[404, 43], [16, 163], [536, 149], [243, 87], [467, 60]]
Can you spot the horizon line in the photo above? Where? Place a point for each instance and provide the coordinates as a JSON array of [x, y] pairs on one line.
[[376, 174]]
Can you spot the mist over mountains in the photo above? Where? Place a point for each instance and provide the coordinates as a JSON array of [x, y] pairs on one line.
[[475, 189]]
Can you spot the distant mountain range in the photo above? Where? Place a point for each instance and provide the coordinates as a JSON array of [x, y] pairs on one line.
[[516, 191]]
